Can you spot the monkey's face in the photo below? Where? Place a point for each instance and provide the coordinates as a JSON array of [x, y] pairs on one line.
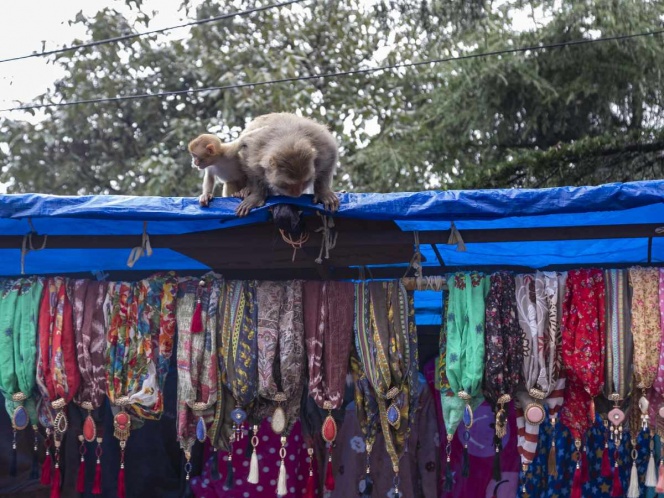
[[288, 178], [203, 151]]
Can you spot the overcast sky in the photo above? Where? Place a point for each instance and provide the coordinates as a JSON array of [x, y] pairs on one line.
[[25, 26]]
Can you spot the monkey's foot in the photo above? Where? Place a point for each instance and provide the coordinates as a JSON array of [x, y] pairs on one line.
[[243, 193], [248, 204], [205, 199], [329, 199]]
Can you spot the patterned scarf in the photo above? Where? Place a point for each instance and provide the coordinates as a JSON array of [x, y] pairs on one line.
[[57, 367], [196, 358], [583, 346], [386, 342], [328, 328], [90, 332], [465, 353], [503, 344], [538, 307], [281, 359], [646, 327], [19, 304], [618, 346], [139, 344], [657, 404]]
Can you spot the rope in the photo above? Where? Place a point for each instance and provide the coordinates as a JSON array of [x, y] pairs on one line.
[[144, 249], [456, 239], [27, 245], [294, 243], [329, 238]]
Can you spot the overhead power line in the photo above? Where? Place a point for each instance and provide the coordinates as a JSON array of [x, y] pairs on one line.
[[352, 72], [143, 33]]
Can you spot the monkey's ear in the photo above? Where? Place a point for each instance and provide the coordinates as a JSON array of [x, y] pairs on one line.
[[210, 148], [272, 163]]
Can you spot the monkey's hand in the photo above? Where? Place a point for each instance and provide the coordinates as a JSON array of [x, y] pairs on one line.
[[205, 199], [243, 193], [328, 198], [249, 202]]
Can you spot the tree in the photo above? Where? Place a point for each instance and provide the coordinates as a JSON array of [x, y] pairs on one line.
[[577, 115]]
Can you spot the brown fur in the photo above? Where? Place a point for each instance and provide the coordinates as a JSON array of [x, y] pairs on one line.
[[285, 154], [218, 160]]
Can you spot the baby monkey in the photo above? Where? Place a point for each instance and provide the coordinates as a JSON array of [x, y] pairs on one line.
[[219, 160], [285, 154]]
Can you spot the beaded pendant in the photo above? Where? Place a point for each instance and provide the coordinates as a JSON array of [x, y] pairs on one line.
[[89, 429], [201, 430], [329, 430], [20, 418]]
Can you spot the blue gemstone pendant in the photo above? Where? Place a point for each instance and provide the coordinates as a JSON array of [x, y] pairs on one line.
[[239, 416], [393, 415], [201, 430], [468, 416], [20, 418]]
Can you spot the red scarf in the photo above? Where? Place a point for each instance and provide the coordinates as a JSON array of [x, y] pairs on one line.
[[582, 330]]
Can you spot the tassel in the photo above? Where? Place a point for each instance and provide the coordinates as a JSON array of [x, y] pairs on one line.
[[551, 462], [187, 493], [576, 483], [633, 490], [229, 472], [465, 466], [617, 488], [80, 481], [449, 480], [197, 318], [329, 474], [34, 470], [310, 491], [13, 466], [585, 468], [46, 469], [96, 485], [55, 485], [368, 487], [651, 475], [214, 466], [253, 468], [497, 476], [660, 481], [282, 490], [122, 492], [606, 463]]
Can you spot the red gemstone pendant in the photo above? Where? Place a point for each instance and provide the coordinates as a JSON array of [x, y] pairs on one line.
[[89, 429], [329, 431]]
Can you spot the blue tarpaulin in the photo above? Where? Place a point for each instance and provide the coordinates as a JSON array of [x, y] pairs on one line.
[[620, 207]]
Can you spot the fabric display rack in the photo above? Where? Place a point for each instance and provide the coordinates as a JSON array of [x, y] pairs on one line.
[[537, 318]]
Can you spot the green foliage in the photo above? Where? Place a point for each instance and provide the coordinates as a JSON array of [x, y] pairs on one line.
[[577, 115]]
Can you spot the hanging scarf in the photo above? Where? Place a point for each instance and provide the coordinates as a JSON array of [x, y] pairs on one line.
[[386, 342], [646, 330], [238, 346], [19, 304], [368, 417], [90, 333], [657, 404], [196, 361], [57, 370], [617, 372], [443, 385], [583, 344], [328, 328], [503, 343], [538, 304], [281, 358], [139, 345], [465, 353]]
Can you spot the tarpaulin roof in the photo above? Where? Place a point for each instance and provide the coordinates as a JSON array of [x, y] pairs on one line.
[[617, 224]]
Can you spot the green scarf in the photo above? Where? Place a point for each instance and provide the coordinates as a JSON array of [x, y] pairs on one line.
[[19, 305]]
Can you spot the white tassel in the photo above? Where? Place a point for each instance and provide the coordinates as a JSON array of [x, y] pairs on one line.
[[253, 468], [282, 490], [651, 474], [633, 490]]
